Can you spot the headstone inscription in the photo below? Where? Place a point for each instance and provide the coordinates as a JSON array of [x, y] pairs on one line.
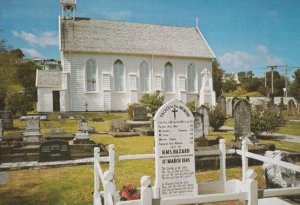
[[242, 120], [54, 150], [204, 111], [1, 130], [174, 150], [32, 133], [198, 125], [222, 103]]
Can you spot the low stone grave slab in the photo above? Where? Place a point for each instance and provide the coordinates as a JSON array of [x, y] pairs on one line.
[[144, 131], [136, 124], [119, 125], [54, 150], [123, 134]]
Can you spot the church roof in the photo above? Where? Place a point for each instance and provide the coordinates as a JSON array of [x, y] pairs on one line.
[[48, 79], [87, 35]]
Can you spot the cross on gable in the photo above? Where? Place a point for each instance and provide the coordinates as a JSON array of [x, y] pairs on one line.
[[174, 111]]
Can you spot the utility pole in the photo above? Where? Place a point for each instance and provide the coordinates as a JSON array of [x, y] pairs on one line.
[[272, 68], [286, 88]]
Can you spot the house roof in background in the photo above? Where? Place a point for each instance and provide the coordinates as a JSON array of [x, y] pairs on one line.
[[87, 35]]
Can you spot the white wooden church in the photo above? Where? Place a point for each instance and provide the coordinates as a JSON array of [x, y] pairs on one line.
[[108, 65]]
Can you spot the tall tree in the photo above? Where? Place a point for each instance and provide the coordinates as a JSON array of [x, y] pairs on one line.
[[217, 74], [295, 86]]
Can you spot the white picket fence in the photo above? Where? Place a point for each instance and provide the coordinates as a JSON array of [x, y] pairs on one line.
[[221, 190]]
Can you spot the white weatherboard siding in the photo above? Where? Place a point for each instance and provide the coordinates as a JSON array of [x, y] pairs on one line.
[[45, 100], [105, 86]]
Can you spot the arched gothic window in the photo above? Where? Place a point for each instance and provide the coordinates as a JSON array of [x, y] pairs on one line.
[[91, 75], [118, 73], [169, 77], [192, 78], [144, 77]]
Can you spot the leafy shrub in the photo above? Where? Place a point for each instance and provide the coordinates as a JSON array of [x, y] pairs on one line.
[[152, 102], [217, 117], [266, 119], [191, 106], [19, 103]]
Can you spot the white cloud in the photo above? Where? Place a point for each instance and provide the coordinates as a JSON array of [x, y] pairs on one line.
[[237, 61], [267, 57], [49, 38], [32, 52]]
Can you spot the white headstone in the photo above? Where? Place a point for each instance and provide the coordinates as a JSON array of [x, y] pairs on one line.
[[174, 150], [32, 133], [198, 125]]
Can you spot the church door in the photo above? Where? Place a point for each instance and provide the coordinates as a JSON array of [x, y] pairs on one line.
[[56, 101]]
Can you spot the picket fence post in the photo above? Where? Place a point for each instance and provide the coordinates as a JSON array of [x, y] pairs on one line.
[[146, 191], [244, 160], [109, 188], [96, 194], [222, 147], [251, 187], [111, 155]]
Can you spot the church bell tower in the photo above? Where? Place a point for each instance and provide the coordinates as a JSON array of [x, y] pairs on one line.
[[68, 9]]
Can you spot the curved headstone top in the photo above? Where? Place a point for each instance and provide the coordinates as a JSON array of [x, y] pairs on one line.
[[174, 150]]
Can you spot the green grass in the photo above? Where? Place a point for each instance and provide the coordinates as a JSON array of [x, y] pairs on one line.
[[74, 185], [291, 128]]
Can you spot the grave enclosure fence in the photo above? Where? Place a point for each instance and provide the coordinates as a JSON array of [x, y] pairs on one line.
[[221, 190]]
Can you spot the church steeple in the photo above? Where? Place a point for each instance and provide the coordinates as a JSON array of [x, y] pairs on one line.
[[68, 9]]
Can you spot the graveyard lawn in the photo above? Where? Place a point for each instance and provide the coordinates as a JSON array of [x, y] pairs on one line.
[[291, 128], [74, 185]]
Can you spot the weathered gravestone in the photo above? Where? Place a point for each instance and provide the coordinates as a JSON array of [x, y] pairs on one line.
[[291, 108], [139, 114], [174, 151], [198, 125], [54, 150], [119, 125], [222, 103], [276, 176], [82, 134], [233, 102], [204, 111], [242, 121], [1, 130], [32, 133], [7, 118]]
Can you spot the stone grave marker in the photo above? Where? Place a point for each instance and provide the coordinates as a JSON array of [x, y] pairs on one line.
[[139, 114], [32, 133], [174, 151], [291, 107], [242, 120], [233, 102], [54, 150], [198, 125], [1, 130], [204, 111], [82, 133], [119, 125], [7, 118], [222, 103]]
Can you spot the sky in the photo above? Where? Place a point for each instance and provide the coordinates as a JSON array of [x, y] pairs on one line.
[[245, 35]]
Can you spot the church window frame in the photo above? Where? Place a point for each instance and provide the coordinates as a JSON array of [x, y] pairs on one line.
[[169, 78], [145, 77], [91, 76], [192, 78], [119, 76]]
